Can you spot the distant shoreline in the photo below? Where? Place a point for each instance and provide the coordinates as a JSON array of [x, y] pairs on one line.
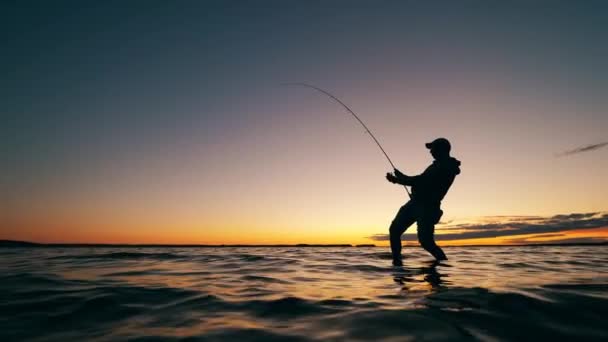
[[13, 243]]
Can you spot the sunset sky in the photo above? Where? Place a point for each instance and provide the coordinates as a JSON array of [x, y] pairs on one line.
[[166, 122]]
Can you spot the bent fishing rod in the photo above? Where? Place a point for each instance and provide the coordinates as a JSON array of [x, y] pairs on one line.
[[356, 117]]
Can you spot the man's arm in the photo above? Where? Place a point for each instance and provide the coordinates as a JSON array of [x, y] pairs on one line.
[[400, 178]]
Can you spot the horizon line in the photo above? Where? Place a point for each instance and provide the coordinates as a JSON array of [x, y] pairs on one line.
[[18, 243]]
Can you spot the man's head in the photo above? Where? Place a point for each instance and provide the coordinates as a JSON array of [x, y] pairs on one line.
[[439, 148]]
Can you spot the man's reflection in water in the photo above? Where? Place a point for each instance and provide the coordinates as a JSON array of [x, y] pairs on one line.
[[408, 276]]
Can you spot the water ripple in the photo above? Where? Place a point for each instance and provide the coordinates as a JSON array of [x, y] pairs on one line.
[[302, 294]]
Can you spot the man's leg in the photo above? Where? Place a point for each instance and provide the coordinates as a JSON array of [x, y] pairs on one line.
[[405, 218], [426, 231]]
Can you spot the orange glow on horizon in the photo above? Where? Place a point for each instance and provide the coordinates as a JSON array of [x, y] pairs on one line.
[[239, 235]]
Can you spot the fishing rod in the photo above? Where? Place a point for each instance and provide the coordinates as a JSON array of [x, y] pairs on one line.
[[356, 117]]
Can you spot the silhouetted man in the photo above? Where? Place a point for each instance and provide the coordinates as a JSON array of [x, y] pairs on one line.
[[428, 189]]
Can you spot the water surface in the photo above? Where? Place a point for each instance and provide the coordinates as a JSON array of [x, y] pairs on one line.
[[302, 294]]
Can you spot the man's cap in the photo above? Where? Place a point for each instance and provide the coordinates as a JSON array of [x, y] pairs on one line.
[[440, 143]]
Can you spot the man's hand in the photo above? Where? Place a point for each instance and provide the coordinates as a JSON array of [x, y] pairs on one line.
[[391, 178], [399, 174]]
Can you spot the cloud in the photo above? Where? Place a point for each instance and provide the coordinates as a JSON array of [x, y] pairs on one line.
[[585, 148], [512, 226], [565, 239]]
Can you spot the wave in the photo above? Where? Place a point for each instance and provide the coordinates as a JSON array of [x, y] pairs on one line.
[[461, 313], [257, 278], [122, 255]]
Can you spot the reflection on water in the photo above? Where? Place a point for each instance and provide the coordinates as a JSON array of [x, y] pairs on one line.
[[490, 293], [404, 276]]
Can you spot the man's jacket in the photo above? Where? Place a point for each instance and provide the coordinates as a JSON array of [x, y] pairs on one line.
[[431, 186]]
